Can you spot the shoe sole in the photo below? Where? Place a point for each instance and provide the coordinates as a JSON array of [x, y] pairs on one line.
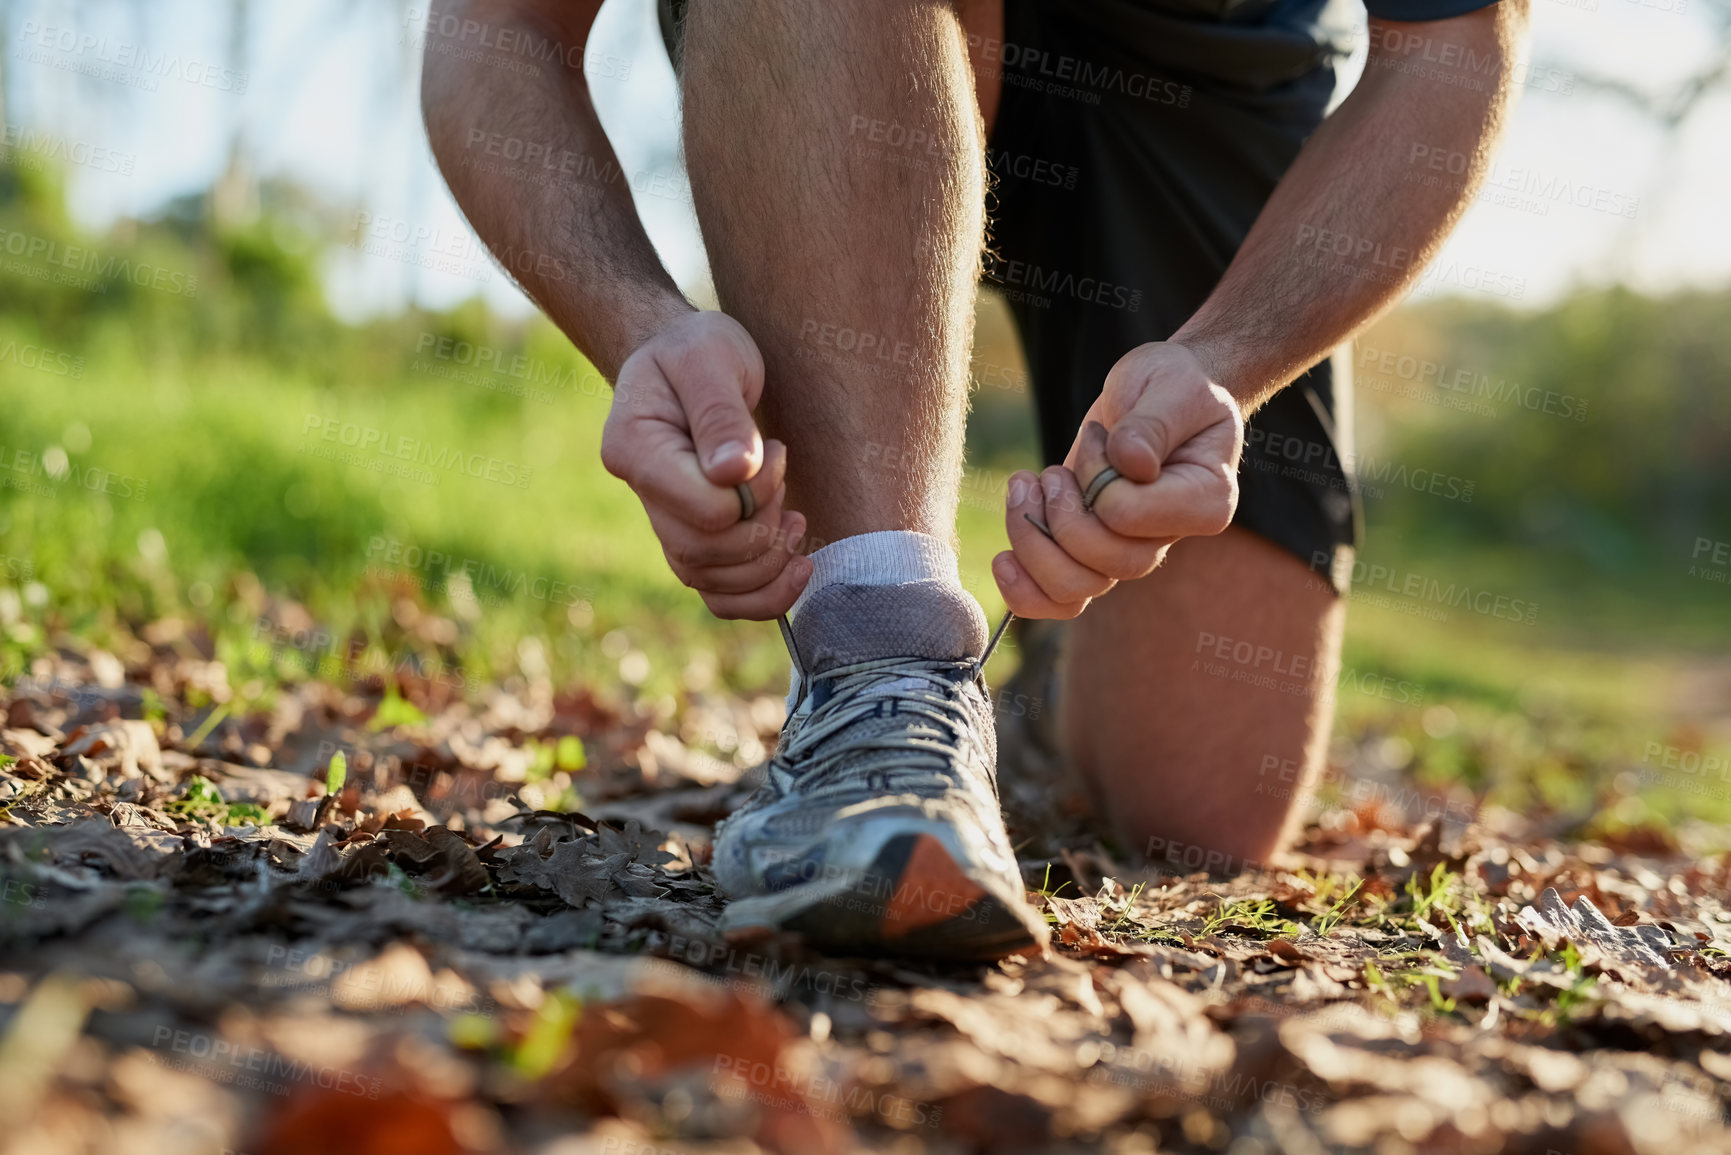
[[912, 901]]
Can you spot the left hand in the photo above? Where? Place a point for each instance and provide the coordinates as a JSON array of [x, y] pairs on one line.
[[1175, 437]]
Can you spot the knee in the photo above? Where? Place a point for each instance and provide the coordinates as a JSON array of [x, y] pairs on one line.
[[1171, 854]]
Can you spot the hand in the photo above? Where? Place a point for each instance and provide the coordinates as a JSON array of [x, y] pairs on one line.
[[1174, 436], [680, 435]]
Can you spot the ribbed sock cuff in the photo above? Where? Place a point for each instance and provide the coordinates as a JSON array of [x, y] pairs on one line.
[[887, 558]]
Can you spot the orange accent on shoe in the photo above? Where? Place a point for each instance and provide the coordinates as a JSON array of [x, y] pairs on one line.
[[932, 889]]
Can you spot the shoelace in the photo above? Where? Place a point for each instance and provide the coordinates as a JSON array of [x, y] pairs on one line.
[[899, 751], [799, 662], [827, 757]]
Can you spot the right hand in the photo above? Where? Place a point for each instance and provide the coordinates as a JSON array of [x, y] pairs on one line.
[[680, 434]]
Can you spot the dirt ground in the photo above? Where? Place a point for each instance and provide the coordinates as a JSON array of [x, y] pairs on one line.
[[204, 947]]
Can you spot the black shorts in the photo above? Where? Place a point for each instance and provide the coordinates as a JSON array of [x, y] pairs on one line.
[[1132, 151]]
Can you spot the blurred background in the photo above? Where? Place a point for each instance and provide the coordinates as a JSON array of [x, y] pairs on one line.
[[222, 238]]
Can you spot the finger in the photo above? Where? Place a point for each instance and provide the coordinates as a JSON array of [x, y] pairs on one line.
[[767, 480], [736, 579], [668, 479], [690, 548], [1089, 541], [743, 577], [1188, 500], [1151, 427], [771, 601], [712, 381], [1090, 457], [1142, 433], [1023, 595], [1139, 443], [1190, 497], [1059, 576]]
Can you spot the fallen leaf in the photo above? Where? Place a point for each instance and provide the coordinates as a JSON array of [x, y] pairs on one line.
[[1553, 923], [128, 746], [1472, 985], [725, 1035], [321, 1122]]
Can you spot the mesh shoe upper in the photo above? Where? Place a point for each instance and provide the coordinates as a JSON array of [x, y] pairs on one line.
[[891, 729]]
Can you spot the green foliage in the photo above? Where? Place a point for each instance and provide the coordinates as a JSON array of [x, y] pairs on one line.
[[211, 721], [1336, 914], [548, 1036], [1373, 977], [565, 755], [336, 773], [1644, 468], [201, 418], [1599, 467], [473, 1032], [1436, 893], [1259, 916], [395, 710], [202, 801], [1129, 905], [143, 903]]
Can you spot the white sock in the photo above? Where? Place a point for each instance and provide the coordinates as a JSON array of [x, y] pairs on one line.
[[890, 557], [887, 558]]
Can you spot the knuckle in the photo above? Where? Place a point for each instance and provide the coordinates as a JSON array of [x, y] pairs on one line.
[[724, 606], [715, 413], [614, 458], [1155, 428], [714, 519], [1069, 588], [1125, 569], [1221, 514], [759, 538], [1113, 519], [1078, 541]]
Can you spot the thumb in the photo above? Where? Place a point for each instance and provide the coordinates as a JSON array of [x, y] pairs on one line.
[[712, 394], [1137, 445]]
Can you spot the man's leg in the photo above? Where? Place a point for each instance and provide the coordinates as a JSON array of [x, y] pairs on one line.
[[1184, 706], [838, 171], [836, 164]]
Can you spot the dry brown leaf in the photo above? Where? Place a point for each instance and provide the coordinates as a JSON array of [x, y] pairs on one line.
[[1472, 985], [1582, 924], [721, 1034], [322, 1122], [128, 746]]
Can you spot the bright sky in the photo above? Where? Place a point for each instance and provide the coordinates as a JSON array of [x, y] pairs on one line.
[[330, 101]]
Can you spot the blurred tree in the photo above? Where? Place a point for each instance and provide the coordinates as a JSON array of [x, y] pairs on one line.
[[1670, 108]]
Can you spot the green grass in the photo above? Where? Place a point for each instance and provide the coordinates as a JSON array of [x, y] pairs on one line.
[[202, 419], [230, 487], [237, 514]]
